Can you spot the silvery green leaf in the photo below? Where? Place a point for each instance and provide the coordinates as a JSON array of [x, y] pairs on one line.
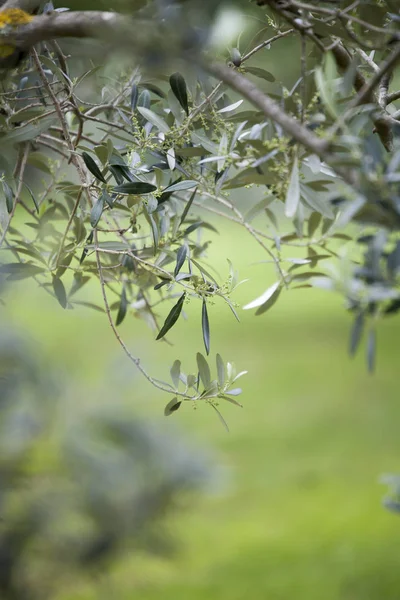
[[293, 191], [175, 373], [264, 297], [220, 370], [204, 370]]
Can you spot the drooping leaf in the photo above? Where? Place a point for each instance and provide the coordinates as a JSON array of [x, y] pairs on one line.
[[181, 185], [371, 350], [178, 86], [204, 370], [134, 96], [263, 298], [187, 207], [205, 325], [220, 370], [356, 332], [269, 303], [172, 406], [175, 373], [172, 317], [96, 212], [60, 292], [230, 107], [293, 191], [180, 259], [123, 307], [93, 168], [135, 188], [9, 196]]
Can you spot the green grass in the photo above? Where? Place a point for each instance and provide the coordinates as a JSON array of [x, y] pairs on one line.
[[295, 511]]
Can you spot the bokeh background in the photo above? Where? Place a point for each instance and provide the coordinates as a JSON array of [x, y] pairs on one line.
[[291, 504]]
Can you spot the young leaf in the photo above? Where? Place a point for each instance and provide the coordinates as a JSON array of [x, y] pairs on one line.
[[269, 303], [178, 86], [172, 317], [97, 211], [220, 370], [60, 292], [135, 188], [204, 370], [180, 259], [93, 168], [293, 191], [123, 306], [205, 325], [172, 406]]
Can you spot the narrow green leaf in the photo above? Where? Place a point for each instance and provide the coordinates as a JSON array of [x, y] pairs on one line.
[[220, 370], [135, 188], [221, 418], [175, 373], [8, 193], [60, 292], [134, 96], [178, 86], [107, 198], [181, 185], [232, 401], [187, 207], [180, 259], [293, 191], [371, 350], [123, 307], [154, 230], [205, 325], [262, 73], [263, 298], [269, 303], [93, 168], [172, 406], [96, 212], [154, 119], [172, 317], [313, 222], [204, 370], [356, 333]]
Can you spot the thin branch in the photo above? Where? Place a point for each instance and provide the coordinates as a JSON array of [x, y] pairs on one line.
[[134, 359]]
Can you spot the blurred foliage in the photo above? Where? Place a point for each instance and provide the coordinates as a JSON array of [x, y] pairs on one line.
[[78, 488]]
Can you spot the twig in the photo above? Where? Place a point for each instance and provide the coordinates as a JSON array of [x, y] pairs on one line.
[[134, 359]]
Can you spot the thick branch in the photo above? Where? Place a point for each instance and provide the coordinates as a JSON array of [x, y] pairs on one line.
[[79, 24]]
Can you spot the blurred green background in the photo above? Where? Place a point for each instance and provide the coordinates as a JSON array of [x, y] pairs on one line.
[[295, 510]]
